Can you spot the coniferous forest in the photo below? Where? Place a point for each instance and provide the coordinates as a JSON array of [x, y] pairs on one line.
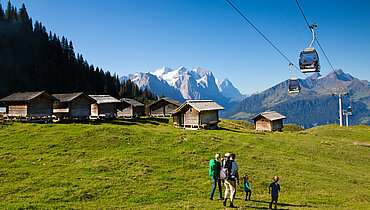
[[32, 59]]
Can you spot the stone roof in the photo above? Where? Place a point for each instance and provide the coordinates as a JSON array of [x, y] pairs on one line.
[[202, 105], [25, 96], [272, 115], [170, 100], [104, 99], [67, 97], [132, 102]]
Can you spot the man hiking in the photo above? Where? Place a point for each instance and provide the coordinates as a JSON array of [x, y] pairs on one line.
[[229, 173]]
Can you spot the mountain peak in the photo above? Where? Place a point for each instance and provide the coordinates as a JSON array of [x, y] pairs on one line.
[[181, 70], [226, 81], [340, 75], [316, 75], [160, 72]]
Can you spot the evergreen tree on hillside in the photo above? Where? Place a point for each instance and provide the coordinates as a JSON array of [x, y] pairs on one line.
[[2, 15], [33, 59], [9, 11]]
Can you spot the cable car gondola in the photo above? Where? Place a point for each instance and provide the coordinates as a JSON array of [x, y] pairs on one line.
[[309, 59], [349, 110], [293, 86]]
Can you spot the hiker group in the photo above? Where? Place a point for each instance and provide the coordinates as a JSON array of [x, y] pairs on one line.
[[226, 170]]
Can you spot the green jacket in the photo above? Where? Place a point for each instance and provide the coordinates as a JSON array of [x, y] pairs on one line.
[[213, 168]]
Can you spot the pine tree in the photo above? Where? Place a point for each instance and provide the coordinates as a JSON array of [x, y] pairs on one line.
[[44, 61], [9, 11], [23, 15], [2, 15]]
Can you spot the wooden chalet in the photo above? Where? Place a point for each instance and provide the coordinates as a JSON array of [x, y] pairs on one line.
[[72, 106], [268, 121], [163, 107], [197, 114], [130, 108], [105, 106], [31, 106]]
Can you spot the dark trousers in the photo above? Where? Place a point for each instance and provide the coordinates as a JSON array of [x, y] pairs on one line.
[[215, 183], [248, 194], [272, 200]]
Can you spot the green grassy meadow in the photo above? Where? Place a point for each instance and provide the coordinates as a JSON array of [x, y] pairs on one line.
[[150, 164]]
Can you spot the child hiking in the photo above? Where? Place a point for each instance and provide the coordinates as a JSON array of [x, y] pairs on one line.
[[214, 174], [247, 188], [274, 190]]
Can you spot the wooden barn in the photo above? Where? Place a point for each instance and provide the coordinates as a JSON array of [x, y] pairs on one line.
[[268, 121], [30, 105], [72, 106], [163, 107], [197, 114], [130, 108], [105, 106]]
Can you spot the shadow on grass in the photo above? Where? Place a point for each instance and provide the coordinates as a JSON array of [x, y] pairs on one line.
[[282, 204], [228, 129], [153, 121]]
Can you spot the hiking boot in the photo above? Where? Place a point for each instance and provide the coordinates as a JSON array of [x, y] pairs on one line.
[[245, 199], [211, 199], [224, 202], [232, 205]]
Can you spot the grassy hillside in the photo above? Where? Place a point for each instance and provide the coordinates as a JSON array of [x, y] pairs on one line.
[[149, 164]]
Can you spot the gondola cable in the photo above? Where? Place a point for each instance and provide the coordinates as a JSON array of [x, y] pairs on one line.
[[318, 43], [268, 39], [260, 33], [326, 57]]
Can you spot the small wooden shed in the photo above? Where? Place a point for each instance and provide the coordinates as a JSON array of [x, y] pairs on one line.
[[130, 108], [197, 114], [268, 121], [72, 106], [164, 107], [105, 107], [30, 105]]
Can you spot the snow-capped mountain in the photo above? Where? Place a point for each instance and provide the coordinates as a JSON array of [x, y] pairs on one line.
[[183, 84], [228, 89]]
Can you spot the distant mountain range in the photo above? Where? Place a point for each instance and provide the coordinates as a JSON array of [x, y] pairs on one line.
[[315, 105], [182, 84]]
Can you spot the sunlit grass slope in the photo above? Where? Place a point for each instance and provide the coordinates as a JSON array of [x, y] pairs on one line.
[[150, 164]]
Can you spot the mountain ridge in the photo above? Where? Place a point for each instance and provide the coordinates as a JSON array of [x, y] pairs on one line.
[[314, 105], [182, 84]]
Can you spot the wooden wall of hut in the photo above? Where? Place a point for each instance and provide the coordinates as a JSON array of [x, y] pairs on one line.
[[80, 107], [125, 110], [41, 107], [17, 110], [191, 117], [263, 124], [276, 125], [209, 117], [103, 109]]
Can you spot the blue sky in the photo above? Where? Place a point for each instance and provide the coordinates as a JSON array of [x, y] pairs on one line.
[[131, 36]]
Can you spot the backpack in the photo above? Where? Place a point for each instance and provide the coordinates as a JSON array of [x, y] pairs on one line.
[[226, 165], [212, 168]]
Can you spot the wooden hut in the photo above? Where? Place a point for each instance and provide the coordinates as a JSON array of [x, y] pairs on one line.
[[163, 107], [105, 107], [30, 105], [72, 106], [197, 114], [268, 121], [130, 108]]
